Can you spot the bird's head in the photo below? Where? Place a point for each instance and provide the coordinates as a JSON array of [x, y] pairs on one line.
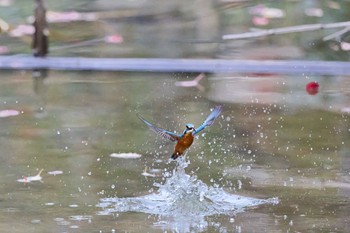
[[189, 128]]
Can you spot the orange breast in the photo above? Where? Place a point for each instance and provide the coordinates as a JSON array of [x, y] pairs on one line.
[[183, 143]]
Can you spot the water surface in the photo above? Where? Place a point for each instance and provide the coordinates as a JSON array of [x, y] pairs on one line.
[[278, 142]]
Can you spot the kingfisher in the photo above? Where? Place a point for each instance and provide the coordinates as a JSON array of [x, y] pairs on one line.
[[184, 140]]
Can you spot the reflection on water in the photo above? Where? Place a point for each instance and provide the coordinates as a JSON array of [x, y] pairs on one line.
[[183, 202], [40, 89]]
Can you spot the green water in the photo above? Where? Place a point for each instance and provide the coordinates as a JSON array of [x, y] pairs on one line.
[[296, 151]]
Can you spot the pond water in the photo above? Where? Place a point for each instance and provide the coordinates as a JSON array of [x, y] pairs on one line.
[[282, 153], [276, 160]]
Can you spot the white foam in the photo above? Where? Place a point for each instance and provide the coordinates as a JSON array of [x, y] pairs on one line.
[[183, 202], [125, 155], [8, 113]]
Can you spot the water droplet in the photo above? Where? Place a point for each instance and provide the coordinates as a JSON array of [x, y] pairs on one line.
[[49, 203], [36, 221]]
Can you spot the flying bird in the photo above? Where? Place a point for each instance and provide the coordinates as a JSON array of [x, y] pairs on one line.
[[184, 140]]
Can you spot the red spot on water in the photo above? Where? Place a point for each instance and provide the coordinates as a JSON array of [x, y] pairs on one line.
[[312, 88], [114, 39], [260, 21]]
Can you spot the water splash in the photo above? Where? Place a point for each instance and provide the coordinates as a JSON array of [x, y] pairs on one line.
[[183, 202]]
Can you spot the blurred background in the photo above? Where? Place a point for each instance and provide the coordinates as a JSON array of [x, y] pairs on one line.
[[279, 135], [154, 28]]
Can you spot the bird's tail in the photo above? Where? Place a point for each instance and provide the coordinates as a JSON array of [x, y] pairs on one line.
[[176, 155]]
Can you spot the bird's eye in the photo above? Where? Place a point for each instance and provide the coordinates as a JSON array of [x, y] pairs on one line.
[[189, 127]]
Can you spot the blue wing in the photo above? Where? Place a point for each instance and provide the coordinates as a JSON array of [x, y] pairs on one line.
[[210, 119], [165, 134]]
